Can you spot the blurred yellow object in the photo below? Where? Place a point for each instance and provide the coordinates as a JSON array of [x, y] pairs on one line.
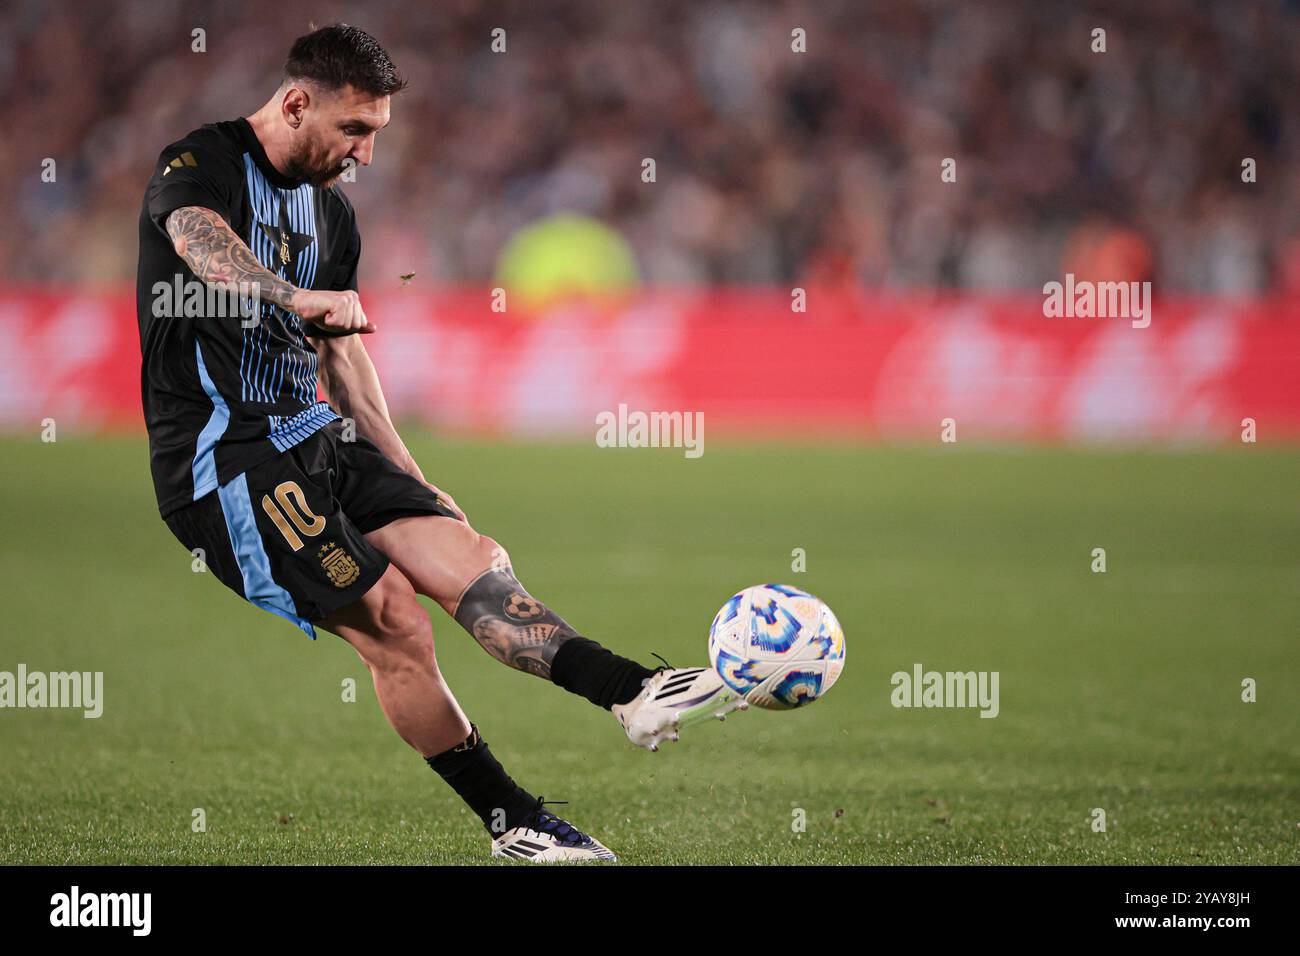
[[562, 256]]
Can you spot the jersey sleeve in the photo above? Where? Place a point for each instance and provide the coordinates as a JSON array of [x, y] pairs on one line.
[[190, 175]]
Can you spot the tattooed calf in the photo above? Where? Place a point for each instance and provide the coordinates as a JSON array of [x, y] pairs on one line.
[[511, 624]]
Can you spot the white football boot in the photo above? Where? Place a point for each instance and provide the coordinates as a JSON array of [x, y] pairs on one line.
[[676, 697], [545, 838]]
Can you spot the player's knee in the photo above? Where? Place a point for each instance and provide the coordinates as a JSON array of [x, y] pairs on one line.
[[404, 619], [470, 550], [405, 634]]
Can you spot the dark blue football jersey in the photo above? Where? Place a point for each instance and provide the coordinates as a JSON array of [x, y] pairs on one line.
[[228, 384]]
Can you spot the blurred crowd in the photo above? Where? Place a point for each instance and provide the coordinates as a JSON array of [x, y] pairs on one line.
[[771, 166]]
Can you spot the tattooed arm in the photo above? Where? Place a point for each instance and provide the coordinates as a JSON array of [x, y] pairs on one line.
[[214, 253]]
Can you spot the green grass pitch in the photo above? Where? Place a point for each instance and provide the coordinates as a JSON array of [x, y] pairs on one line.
[[1119, 691]]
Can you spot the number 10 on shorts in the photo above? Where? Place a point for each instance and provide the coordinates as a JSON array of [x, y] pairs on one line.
[[292, 513]]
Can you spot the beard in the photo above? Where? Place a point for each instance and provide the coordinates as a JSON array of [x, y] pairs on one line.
[[311, 168], [326, 178]]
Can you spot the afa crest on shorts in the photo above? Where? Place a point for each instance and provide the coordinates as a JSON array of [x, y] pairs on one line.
[[341, 567]]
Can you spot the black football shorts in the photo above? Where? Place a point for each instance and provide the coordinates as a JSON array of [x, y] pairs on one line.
[[288, 535]]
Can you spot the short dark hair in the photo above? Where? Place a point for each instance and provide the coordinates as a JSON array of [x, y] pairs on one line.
[[338, 55]]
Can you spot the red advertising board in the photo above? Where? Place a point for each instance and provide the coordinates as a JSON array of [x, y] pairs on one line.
[[869, 366]]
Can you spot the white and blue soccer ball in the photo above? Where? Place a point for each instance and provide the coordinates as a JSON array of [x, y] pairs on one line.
[[779, 646]]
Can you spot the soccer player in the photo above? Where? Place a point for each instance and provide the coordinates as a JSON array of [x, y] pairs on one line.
[[324, 531]]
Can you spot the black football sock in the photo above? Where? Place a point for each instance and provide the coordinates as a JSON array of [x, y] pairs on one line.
[[483, 784], [521, 631], [596, 673]]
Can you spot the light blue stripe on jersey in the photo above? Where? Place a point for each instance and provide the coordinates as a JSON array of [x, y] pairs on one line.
[[204, 468], [246, 541], [307, 198], [287, 432], [262, 378], [253, 359], [302, 216], [256, 242]]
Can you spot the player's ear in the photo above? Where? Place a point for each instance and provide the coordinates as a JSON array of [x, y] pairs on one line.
[[293, 104]]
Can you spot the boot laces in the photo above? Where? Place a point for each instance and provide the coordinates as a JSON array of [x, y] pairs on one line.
[[543, 821]]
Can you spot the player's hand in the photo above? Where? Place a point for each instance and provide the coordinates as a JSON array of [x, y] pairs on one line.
[[447, 500], [336, 311]]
